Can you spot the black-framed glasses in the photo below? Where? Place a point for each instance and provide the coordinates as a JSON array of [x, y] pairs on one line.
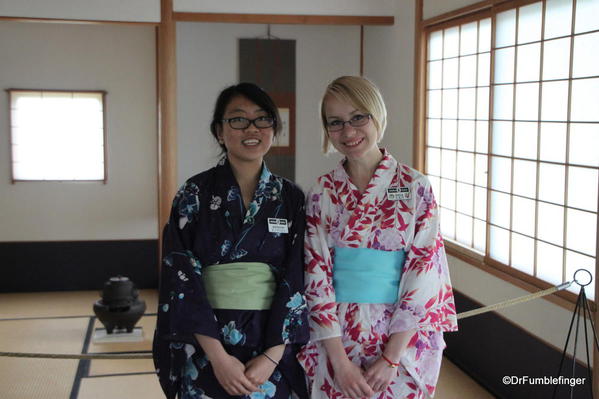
[[240, 123], [337, 125]]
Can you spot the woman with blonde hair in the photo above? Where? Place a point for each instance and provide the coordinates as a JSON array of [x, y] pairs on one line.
[[377, 284]]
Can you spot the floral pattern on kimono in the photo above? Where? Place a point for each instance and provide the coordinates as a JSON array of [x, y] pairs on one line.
[[210, 226], [339, 216]]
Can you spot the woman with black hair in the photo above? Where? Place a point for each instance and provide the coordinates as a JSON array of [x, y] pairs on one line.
[[232, 313]]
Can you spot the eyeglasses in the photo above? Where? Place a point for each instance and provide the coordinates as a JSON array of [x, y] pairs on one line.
[[357, 120], [240, 123]]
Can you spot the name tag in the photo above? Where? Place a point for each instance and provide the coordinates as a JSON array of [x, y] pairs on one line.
[[398, 193], [276, 225]]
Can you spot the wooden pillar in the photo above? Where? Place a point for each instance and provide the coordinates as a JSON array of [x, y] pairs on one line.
[[361, 50], [419, 89], [167, 113]]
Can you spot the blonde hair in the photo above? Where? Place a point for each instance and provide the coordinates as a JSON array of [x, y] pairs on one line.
[[360, 93]]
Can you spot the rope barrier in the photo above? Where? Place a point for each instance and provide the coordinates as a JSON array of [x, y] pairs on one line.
[[514, 301], [112, 356]]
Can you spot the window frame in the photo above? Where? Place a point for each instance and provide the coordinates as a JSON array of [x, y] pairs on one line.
[[103, 93], [424, 28]]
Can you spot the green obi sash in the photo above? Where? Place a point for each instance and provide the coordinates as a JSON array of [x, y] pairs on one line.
[[241, 285]]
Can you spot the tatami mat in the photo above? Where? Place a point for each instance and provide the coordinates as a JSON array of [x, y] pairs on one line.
[[36, 378], [455, 384], [59, 322], [122, 387], [100, 367], [43, 335], [40, 378]]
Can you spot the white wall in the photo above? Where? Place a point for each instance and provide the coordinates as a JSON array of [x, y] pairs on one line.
[[309, 7], [207, 63], [389, 62], [120, 60], [104, 10]]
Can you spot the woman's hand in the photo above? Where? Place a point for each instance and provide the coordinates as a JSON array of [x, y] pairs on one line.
[[379, 375], [350, 381], [348, 376], [259, 369], [230, 373]]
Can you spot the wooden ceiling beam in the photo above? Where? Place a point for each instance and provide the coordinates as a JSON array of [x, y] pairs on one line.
[[286, 19]]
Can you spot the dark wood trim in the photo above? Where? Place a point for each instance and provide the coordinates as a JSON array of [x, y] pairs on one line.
[[158, 146], [568, 129], [9, 131], [76, 21], [513, 134], [361, 50], [287, 19], [61, 181], [105, 138], [167, 106], [59, 90]]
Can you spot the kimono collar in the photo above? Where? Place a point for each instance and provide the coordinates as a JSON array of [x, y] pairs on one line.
[[376, 189], [224, 164], [269, 188], [265, 175]]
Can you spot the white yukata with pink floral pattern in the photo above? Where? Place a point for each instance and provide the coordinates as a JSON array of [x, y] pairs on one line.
[[339, 216]]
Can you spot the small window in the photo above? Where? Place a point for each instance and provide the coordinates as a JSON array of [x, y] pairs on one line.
[[57, 135]]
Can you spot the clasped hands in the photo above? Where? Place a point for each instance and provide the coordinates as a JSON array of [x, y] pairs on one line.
[[356, 383], [242, 379], [235, 377]]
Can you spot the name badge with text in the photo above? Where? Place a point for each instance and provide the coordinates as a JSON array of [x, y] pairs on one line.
[[276, 225], [398, 193]]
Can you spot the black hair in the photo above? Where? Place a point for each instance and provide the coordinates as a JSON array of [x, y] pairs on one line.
[[253, 93]]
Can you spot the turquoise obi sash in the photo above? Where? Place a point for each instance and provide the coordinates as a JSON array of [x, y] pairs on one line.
[[240, 285], [365, 275]]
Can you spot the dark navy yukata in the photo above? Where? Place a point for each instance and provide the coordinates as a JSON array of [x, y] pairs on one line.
[[209, 225]]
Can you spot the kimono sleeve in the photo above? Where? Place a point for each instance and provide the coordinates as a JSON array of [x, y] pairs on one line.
[[426, 296], [183, 306], [320, 294], [287, 322]]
